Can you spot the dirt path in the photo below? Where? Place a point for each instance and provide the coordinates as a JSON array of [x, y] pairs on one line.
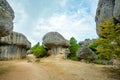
[[53, 69]]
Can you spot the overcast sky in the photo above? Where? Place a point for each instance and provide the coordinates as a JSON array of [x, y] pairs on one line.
[[71, 18]]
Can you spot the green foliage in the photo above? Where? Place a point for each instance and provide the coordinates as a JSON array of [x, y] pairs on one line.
[[39, 51], [109, 44], [107, 29], [35, 46], [73, 49], [93, 46], [89, 59]]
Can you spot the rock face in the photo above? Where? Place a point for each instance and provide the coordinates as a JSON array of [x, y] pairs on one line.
[[14, 46], [6, 18], [107, 9], [86, 42], [56, 43], [84, 52]]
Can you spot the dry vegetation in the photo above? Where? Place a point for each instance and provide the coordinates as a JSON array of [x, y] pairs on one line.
[[54, 69]]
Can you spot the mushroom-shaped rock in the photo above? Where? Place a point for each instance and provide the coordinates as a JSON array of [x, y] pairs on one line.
[[55, 42], [52, 39], [14, 46], [6, 18]]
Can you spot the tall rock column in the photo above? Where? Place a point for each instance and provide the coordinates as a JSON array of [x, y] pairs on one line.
[[6, 18]]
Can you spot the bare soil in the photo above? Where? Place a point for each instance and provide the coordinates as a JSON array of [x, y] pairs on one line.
[[55, 69]]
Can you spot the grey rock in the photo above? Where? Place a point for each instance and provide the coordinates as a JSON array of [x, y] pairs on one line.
[[116, 12], [29, 52], [56, 44], [6, 18], [107, 9], [15, 38], [14, 46], [54, 39], [8, 52], [84, 52]]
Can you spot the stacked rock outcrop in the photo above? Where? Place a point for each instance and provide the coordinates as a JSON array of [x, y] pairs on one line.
[[13, 45]]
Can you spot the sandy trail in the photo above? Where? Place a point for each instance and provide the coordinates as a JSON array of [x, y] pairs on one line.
[[53, 69]]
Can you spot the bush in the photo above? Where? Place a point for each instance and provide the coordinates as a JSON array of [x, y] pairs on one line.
[[73, 49], [39, 51], [93, 46], [109, 45]]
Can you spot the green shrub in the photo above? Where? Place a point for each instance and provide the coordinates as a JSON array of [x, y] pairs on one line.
[[73, 49], [39, 51], [93, 46], [109, 45], [90, 59], [97, 61]]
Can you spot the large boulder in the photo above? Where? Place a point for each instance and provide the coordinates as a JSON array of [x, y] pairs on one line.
[[6, 18], [14, 46], [56, 44], [85, 52], [107, 9], [52, 39]]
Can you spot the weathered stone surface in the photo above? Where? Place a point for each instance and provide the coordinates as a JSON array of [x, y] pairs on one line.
[[6, 18], [12, 52], [116, 12], [107, 9], [14, 46], [84, 52], [56, 43], [54, 39], [16, 39]]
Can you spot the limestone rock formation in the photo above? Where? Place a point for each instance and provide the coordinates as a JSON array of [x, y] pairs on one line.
[[54, 39], [14, 46], [16, 38], [56, 43], [107, 9], [84, 52], [6, 18]]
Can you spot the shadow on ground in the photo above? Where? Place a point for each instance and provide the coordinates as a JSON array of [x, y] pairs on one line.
[[112, 73]]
